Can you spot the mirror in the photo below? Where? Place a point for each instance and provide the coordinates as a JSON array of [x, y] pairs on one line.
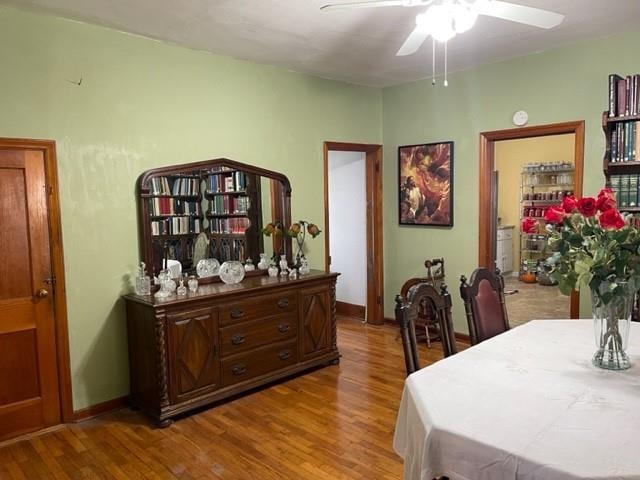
[[214, 209]]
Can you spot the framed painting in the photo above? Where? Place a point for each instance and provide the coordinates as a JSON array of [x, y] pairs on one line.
[[425, 175]]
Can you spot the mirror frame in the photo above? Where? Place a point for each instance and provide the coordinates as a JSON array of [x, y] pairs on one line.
[[280, 209]]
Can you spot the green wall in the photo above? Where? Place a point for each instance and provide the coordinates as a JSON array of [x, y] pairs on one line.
[[565, 84], [144, 104]]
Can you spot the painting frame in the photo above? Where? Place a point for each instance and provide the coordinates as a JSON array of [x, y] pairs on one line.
[[425, 184]]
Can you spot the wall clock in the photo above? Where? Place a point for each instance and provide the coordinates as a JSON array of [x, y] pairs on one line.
[[520, 118]]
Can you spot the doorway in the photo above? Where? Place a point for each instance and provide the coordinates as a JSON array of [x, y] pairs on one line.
[[362, 281], [553, 178], [35, 382]]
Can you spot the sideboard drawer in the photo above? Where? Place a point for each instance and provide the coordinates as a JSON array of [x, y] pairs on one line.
[[259, 307], [254, 363], [244, 336]]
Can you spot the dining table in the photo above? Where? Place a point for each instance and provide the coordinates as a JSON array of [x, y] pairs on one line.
[[526, 404]]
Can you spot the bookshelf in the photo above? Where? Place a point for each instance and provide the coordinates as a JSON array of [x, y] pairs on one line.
[[621, 162], [220, 198], [621, 125], [234, 214]]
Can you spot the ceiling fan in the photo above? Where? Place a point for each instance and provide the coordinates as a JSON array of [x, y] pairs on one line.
[[443, 19]]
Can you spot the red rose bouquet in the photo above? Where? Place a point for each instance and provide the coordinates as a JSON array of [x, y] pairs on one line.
[[593, 244]]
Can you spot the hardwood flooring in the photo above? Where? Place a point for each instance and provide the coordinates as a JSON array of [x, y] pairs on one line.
[[333, 423]]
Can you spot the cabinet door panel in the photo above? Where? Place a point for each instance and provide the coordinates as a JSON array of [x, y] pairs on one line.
[[315, 321], [194, 366]]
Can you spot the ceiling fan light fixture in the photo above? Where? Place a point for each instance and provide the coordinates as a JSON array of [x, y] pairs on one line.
[[464, 17], [437, 22]]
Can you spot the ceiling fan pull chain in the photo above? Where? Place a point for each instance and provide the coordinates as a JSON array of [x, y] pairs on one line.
[[446, 83], [433, 61]]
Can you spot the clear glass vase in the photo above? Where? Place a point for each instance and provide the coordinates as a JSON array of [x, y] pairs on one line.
[[611, 322]]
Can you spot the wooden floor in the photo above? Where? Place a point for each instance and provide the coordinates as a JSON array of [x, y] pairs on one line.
[[336, 422]]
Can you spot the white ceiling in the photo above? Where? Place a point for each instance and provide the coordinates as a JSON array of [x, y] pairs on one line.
[[356, 46]]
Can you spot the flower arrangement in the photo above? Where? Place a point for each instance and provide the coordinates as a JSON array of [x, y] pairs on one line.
[[593, 245], [296, 230]]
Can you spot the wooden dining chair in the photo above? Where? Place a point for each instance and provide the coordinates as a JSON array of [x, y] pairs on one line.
[[427, 321], [484, 304], [407, 310]]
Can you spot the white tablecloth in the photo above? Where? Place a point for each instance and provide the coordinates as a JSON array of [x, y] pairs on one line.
[[526, 404]]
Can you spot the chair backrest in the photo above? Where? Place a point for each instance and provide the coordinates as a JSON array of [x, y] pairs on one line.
[[407, 309], [484, 304]]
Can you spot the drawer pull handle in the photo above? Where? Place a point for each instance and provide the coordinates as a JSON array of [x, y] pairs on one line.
[[237, 313], [283, 302], [284, 354], [239, 369], [238, 338], [284, 327]]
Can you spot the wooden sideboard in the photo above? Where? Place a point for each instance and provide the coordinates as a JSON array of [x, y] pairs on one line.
[[186, 352]]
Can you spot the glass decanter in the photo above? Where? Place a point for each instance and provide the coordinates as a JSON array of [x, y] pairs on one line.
[[182, 290], [263, 264], [164, 277], [143, 282], [249, 266]]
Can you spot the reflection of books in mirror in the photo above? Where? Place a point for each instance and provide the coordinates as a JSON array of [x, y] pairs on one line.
[[160, 186]]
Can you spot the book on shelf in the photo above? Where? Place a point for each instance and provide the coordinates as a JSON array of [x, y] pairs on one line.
[[224, 205], [227, 182], [633, 190], [186, 187], [624, 97], [626, 189], [159, 206], [160, 186], [625, 138], [180, 186], [229, 225], [175, 226]]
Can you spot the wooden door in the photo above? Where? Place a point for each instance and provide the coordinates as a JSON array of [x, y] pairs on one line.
[[29, 396]]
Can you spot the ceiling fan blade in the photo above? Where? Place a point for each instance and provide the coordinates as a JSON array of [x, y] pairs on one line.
[[413, 42], [376, 3], [520, 13], [366, 4]]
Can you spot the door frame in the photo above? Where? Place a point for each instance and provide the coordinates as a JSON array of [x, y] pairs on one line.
[[48, 149], [373, 179], [487, 165]]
